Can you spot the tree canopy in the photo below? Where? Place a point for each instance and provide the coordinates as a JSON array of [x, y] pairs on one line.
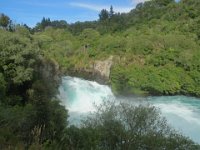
[[4, 20]]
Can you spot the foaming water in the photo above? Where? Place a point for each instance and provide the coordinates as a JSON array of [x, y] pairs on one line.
[[182, 113], [79, 96]]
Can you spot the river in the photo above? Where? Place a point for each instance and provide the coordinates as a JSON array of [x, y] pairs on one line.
[[79, 96]]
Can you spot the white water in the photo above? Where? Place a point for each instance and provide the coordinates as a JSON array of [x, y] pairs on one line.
[[79, 97]]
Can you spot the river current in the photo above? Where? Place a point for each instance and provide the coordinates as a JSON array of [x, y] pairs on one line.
[[79, 96]]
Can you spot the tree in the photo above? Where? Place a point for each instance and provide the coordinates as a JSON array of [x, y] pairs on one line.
[[59, 24], [139, 6], [104, 15], [29, 112], [111, 13], [163, 2], [4, 20], [45, 22], [125, 126], [2, 86]]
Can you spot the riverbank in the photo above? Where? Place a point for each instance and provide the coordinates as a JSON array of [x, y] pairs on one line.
[[145, 81]]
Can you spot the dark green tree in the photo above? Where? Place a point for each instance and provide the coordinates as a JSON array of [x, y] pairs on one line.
[[163, 2], [111, 12], [4, 20], [104, 15]]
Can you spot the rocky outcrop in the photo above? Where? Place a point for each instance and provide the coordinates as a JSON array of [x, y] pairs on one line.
[[98, 71], [102, 68]]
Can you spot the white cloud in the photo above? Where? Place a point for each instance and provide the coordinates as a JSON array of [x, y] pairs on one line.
[[98, 8]]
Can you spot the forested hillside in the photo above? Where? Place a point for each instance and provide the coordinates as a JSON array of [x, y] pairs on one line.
[[155, 46], [155, 49]]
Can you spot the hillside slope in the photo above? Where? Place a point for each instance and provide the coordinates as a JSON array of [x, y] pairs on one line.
[[155, 47]]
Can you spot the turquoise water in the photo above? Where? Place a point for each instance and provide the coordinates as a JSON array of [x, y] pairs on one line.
[[79, 96], [182, 113]]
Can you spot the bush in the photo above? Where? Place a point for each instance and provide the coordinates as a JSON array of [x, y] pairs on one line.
[[125, 126]]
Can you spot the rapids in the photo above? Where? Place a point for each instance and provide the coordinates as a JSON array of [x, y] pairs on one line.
[[79, 97]]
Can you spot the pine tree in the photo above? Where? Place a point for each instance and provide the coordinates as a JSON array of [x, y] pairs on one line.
[[111, 13]]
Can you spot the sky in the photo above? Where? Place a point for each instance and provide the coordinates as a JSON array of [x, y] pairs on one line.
[[32, 11]]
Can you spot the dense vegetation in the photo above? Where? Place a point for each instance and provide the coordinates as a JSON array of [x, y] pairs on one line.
[[126, 127], [29, 111], [155, 49]]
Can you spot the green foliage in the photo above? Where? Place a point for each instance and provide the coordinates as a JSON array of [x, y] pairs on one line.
[[163, 2], [126, 126], [104, 15], [153, 46], [17, 57], [22, 30], [30, 115], [164, 80], [4, 20], [46, 22], [89, 37], [2, 86], [155, 49]]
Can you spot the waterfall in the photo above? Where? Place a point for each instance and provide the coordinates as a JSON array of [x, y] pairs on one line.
[[79, 96]]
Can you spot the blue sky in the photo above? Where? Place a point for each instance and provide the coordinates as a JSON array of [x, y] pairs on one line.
[[32, 11]]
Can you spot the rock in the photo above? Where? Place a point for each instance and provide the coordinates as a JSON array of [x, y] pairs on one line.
[[103, 68], [98, 71]]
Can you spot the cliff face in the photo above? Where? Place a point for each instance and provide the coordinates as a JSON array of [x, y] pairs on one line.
[[103, 67], [98, 71]]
